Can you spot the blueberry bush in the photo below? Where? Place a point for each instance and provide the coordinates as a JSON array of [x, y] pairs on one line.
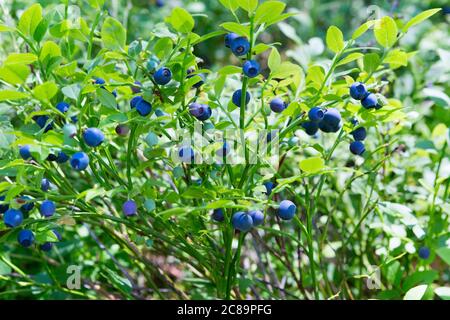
[[231, 149]]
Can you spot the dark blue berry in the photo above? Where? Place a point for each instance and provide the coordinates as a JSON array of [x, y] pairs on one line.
[[129, 208], [99, 81], [47, 208], [331, 121], [63, 106], [358, 91], [93, 137], [251, 68], [79, 161], [13, 218], [287, 210], [218, 215], [134, 101], [237, 97], [242, 221], [316, 114], [136, 88], [257, 217], [359, 134], [122, 130], [201, 111], [277, 105], [370, 101], [24, 152], [310, 127], [163, 76], [269, 186], [424, 253], [42, 122], [45, 185], [143, 107], [240, 46], [357, 147], [25, 238], [230, 37]]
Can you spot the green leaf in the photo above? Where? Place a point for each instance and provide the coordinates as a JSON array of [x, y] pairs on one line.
[[267, 10], [281, 17], [47, 236], [285, 70], [416, 293], [113, 34], [96, 4], [362, 29], [335, 39], [248, 5], [30, 19], [181, 20], [20, 58], [45, 91], [107, 98], [260, 48], [315, 74], [385, 31], [14, 74], [274, 60], [49, 49], [444, 254], [54, 138], [4, 28], [230, 4], [72, 91], [396, 58], [312, 165], [349, 58], [4, 268], [12, 95], [229, 70], [371, 62], [236, 28], [419, 18], [40, 31], [420, 277]]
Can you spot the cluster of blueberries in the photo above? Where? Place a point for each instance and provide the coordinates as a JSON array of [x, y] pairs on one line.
[[13, 218]]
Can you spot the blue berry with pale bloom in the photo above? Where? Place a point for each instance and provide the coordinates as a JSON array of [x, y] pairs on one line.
[[242, 221], [237, 97], [25, 238], [251, 68], [129, 208], [25, 152], [93, 137], [277, 105], [47, 208], [257, 217], [13, 218], [287, 210], [79, 161], [358, 91], [218, 215], [162, 76], [357, 148], [316, 114], [240, 46]]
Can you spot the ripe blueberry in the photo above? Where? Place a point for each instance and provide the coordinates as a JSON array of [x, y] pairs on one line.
[[277, 105], [143, 107], [316, 114], [63, 106], [230, 37], [310, 127], [186, 154], [79, 161], [240, 46], [134, 101], [287, 210], [357, 147], [25, 238], [129, 208], [42, 122], [93, 137], [99, 81], [47, 208], [45, 185], [269, 186], [13, 218], [218, 215], [257, 217], [424, 253], [242, 221], [122, 129], [358, 91], [331, 121], [200, 111], [24, 152], [359, 134], [237, 97], [163, 76], [3, 207], [251, 68], [370, 101], [61, 157]]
